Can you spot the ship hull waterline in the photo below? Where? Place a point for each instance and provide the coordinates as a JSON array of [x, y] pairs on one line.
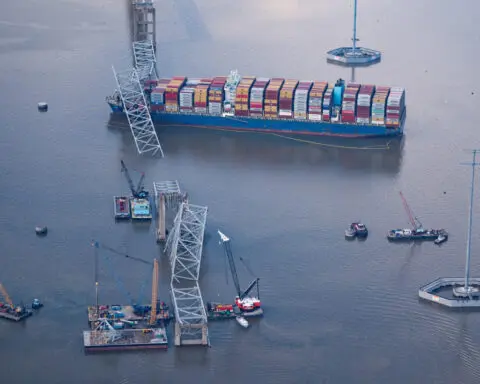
[[274, 126]]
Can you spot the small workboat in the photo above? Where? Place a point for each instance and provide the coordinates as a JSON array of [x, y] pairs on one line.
[[360, 229], [350, 232], [41, 230], [242, 321], [36, 304], [441, 238]]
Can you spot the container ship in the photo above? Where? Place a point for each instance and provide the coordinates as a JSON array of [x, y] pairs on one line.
[[274, 105]]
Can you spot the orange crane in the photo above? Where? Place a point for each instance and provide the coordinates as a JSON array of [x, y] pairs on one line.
[[153, 312], [7, 299]]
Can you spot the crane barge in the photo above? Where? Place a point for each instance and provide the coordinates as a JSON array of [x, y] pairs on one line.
[[126, 327], [417, 232], [10, 311], [138, 206], [245, 304]]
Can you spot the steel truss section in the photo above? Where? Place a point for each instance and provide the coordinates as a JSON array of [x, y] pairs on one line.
[[135, 107], [145, 60], [189, 307], [185, 242]]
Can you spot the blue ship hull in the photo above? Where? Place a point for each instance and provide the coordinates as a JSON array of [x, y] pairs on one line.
[[280, 126]]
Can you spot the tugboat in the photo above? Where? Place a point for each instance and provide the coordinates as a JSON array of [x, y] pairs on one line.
[[360, 229], [441, 238], [350, 232], [418, 232], [36, 304]]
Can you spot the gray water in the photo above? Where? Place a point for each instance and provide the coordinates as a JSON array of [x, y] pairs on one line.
[[336, 311]]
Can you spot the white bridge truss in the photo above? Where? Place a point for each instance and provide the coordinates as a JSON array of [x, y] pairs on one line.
[[184, 248], [136, 109], [185, 242], [145, 60]]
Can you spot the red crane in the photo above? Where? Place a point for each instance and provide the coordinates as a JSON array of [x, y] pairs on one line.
[[413, 219]]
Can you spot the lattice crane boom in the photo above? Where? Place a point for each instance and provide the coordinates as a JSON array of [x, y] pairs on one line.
[[5, 295], [228, 252], [411, 217], [153, 312]]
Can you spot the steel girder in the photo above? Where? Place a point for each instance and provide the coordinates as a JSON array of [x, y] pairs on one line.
[[145, 60], [189, 307], [185, 242], [136, 109]]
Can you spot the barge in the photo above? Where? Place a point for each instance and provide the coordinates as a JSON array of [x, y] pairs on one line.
[[121, 207], [273, 105], [126, 339], [417, 234]]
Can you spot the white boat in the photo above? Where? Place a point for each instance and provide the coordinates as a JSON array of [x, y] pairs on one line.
[[242, 321]]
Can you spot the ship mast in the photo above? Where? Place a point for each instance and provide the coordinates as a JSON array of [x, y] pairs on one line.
[[467, 288], [354, 39]]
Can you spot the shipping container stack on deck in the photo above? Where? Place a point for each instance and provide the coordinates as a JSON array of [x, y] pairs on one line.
[[316, 99], [395, 106], [286, 99], [187, 94], [327, 103], [216, 94], [172, 93], [157, 97], [364, 104], [242, 96], [200, 97], [349, 103], [379, 105], [149, 86], [300, 100], [257, 95], [272, 96]]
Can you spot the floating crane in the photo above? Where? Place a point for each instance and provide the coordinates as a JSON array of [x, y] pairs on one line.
[[245, 303], [11, 311], [416, 224], [138, 192], [137, 308]]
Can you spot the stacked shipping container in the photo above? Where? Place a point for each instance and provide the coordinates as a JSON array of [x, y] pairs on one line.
[[316, 99], [242, 96], [327, 103], [172, 93], [286, 99], [200, 97], [395, 106], [272, 95], [349, 103], [257, 95], [215, 95], [300, 101], [378, 105], [157, 97], [364, 103]]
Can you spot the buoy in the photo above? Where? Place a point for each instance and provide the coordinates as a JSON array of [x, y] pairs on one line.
[[43, 107], [41, 230]]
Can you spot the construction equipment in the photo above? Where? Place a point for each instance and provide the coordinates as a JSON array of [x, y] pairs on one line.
[[416, 224], [11, 311], [138, 192], [138, 308], [242, 300]]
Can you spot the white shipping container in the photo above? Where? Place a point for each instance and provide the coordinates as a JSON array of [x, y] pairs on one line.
[[200, 109], [315, 116]]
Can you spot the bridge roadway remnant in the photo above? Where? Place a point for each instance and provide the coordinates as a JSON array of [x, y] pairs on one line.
[[184, 248]]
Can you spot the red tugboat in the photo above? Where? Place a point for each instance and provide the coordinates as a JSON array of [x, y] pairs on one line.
[[245, 305]]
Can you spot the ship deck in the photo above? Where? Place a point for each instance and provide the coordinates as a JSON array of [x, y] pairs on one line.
[[128, 314], [125, 339], [15, 317], [119, 212], [141, 209]]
